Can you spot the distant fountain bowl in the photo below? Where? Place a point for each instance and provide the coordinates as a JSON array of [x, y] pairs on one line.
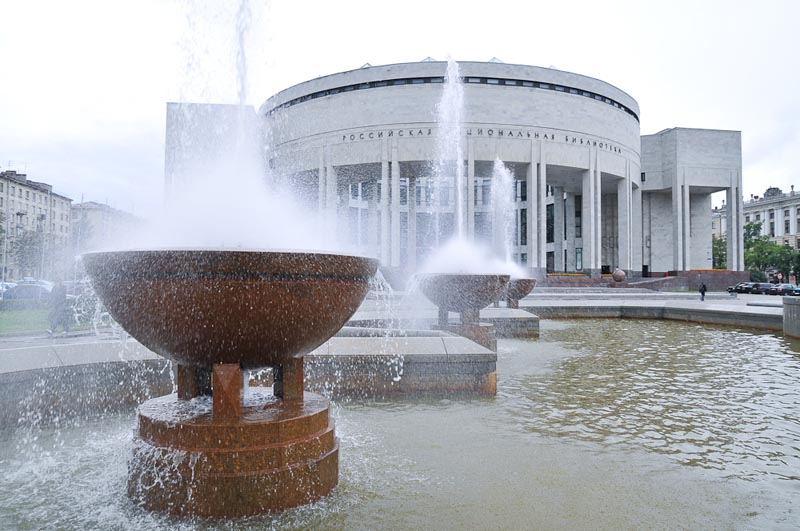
[[254, 308], [517, 289], [456, 292]]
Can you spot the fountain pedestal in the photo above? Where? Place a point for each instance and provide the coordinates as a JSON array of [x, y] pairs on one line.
[[236, 458], [466, 294], [216, 448], [469, 326]]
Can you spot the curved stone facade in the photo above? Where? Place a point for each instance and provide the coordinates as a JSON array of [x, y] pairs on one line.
[[346, 136]]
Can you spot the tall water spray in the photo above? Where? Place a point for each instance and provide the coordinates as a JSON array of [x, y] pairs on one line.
[[503, 209], [217, 176], [450, 161]]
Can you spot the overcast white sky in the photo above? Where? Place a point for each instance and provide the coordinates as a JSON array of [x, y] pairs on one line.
[[84, 83]]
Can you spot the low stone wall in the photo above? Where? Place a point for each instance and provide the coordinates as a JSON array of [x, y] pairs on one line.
[[791, 316], [391, 367], [751, 320], [49, 396]]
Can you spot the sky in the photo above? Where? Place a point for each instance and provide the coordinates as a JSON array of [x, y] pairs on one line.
[[85, 83]]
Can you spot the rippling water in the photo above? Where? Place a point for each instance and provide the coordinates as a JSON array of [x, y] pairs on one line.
[[713, 398], [602, 424]]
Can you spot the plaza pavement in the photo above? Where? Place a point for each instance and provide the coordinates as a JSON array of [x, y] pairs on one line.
[[763, 312]]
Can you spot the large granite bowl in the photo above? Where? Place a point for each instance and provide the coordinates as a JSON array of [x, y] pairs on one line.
[[200, 307], [518, 288], [461, 292]]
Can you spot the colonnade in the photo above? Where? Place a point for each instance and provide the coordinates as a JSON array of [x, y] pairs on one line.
[[581, 239]]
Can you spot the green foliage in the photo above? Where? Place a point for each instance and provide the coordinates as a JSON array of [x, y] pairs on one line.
[[758, 276], [719, 253], [762, 254], [27, 251]]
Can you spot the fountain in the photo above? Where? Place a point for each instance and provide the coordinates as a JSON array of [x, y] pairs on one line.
[[216, 448], [518, 288], [466, 294]]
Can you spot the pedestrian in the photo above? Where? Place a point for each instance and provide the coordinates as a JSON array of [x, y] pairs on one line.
[[703, 292], [58, 308]]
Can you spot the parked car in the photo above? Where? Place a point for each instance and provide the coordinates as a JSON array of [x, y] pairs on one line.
[[4, 286], [25, 291], [741, 287], [783, 289], [761, 288]]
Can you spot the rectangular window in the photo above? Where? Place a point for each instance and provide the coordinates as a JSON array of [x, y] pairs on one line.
[[578, 216], [747, 219], [758, 217], [493, 81], [786, 226], [550, 217], [772, 229], [578, 258], [523, 227], [786, 213], [644, 176], [771, 214]]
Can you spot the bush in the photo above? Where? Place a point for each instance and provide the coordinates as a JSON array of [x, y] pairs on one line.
[[757, 276]]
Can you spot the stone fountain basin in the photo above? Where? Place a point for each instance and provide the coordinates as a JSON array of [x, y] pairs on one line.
[[457, 292], [255, 308], [518, 288]]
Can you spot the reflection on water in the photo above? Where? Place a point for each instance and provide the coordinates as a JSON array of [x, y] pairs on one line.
[[602, 424], [714, 398]]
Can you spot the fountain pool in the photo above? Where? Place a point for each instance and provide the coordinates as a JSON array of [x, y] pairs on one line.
[[601, 424]]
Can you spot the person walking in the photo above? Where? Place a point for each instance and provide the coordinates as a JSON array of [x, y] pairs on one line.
[[58, 309], [702, 292]]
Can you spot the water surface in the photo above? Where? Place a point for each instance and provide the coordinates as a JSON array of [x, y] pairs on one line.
[[601, 424]]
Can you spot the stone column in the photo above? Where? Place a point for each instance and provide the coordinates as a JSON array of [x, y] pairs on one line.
[[558, 228], [735, 237], [470, 190], [587, 219], [395, 207], [385, 243], [332, 199], [687, 224], [542, 209], [637, 244], [569, 241], [372, 217], [677, 222], [598, 218], [412, 223], [591, 217], [533, 216], [624, 218]]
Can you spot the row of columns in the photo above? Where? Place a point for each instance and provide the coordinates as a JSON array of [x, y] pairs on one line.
[[564, 211]]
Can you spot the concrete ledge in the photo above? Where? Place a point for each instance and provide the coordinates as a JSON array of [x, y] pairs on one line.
[[791, 316], [727, 315], [390, 367]]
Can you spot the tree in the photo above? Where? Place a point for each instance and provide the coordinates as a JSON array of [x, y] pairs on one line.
[[719, 253], [27, 251], [762, 254]]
